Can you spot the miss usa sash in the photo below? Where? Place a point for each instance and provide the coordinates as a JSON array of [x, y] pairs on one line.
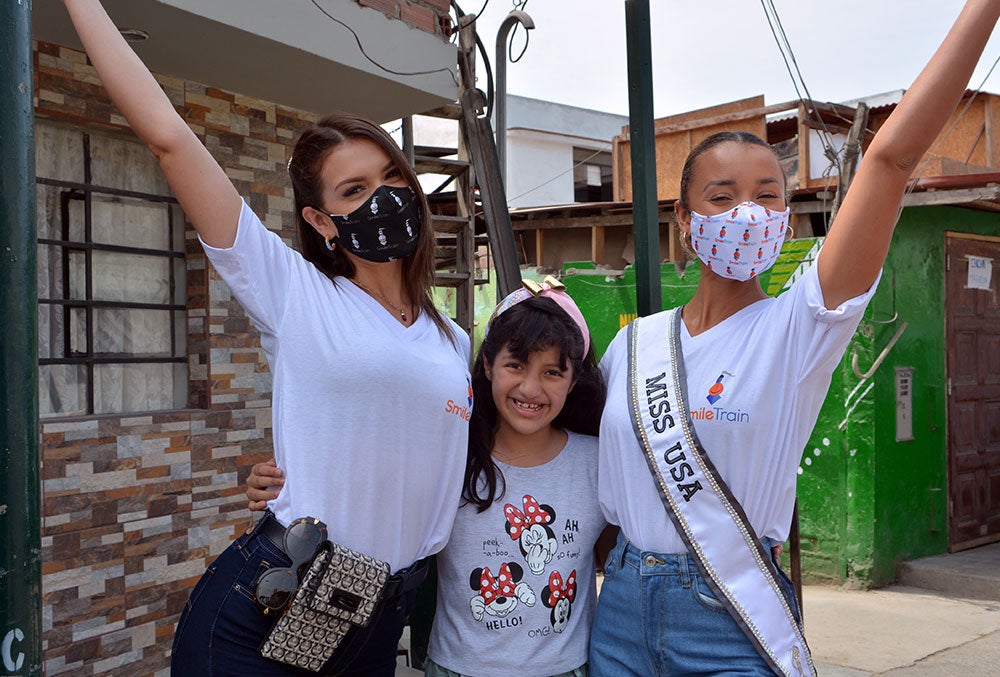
[[710, 520]]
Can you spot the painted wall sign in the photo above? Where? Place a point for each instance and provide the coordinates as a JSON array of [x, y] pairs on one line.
[[11, 662]]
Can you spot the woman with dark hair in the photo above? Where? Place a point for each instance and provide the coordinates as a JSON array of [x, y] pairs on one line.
[[516, 581], [371, 385], [710, 405]]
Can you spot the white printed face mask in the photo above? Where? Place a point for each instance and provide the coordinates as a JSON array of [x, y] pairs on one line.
[[741, 243]]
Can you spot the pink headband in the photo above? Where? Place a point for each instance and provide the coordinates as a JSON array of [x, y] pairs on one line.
[[553, 289]]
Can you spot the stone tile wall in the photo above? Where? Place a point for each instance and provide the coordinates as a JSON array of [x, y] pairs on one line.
[[135, 507]]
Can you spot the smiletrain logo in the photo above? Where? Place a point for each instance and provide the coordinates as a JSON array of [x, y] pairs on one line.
[[453, 407], [718, 413], [715, 392]]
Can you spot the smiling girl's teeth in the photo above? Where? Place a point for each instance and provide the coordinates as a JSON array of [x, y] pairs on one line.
[[527, 406]]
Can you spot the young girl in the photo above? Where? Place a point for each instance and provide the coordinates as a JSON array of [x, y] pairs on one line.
[[364, 366], [710, 406], [516, 586]]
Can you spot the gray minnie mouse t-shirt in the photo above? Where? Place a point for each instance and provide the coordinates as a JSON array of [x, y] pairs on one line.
[[516, 586]]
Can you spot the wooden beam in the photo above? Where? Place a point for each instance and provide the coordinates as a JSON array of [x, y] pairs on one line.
[[988, 125], [832, 127], [963, 197], [618, 193], [951, 197], [984, 205], [803, 149], [539, 246], [597, 244], [589, 221], [972, 236]]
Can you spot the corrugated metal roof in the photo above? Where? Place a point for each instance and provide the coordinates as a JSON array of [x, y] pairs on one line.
[[875, 102]]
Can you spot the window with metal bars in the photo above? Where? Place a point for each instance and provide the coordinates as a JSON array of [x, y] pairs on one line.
[[112, 330]]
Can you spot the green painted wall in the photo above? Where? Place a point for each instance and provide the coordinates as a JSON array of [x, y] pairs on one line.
[[911, 490], [866, 501], [836, 489], [835, 484]]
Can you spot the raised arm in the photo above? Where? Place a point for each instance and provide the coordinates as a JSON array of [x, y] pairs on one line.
[[859, 237], [206, 194]]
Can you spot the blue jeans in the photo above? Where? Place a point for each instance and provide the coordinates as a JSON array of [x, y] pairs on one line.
[[221, 628], [656, 615]]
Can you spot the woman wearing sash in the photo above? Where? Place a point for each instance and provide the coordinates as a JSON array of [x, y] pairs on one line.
[[710, 405]]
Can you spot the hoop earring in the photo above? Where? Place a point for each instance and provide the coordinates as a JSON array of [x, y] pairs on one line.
[[686, 243], [329, 243]]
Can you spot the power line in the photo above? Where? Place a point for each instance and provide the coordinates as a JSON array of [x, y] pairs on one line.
[[562, 173], [361, 47], [481, 10], [788, 56], [519, 6]]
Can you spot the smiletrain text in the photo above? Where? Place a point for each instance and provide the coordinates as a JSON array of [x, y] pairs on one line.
[[720, 414], [458, 410]]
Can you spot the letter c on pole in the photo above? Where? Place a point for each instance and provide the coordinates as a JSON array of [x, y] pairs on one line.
[[9, 663]]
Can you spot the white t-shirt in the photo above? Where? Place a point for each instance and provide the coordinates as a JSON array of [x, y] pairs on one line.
[[537, 628], [775, 359], [370, 417]]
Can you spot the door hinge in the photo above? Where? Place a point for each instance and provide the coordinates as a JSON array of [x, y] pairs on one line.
[[949, 387], [947, 263]]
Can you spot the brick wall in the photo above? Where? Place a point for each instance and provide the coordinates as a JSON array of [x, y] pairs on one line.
[[135, 507], [430, 16]]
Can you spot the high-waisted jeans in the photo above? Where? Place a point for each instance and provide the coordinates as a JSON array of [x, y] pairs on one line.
[[221, 628], [656, 615]]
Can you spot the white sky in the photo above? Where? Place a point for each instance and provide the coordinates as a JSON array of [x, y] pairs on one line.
[[707, 52]]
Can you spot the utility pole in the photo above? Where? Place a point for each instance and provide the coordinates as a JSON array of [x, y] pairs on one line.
[[20, 543], [852, 151], [645, 212]]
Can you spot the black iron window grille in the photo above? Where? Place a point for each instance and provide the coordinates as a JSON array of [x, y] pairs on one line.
[[112, 279]]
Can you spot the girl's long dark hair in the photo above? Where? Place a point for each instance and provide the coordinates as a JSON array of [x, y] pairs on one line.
[[535, 324]]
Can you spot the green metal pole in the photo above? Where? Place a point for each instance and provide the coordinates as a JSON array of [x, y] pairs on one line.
[[20, 544], [645, 214]]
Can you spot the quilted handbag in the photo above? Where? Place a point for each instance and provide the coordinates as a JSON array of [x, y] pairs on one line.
[[339, 590]]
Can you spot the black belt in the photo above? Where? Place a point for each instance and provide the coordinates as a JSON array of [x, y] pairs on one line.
[[399, 583]]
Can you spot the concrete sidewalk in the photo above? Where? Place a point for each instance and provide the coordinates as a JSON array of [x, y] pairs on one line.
[[938, 629], [895, 631], [901, 631], [943, 618]]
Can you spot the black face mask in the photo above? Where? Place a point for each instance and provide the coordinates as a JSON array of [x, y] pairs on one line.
[[384, 228]]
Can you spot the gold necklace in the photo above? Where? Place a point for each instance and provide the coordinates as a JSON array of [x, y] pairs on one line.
[[402, 313]]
